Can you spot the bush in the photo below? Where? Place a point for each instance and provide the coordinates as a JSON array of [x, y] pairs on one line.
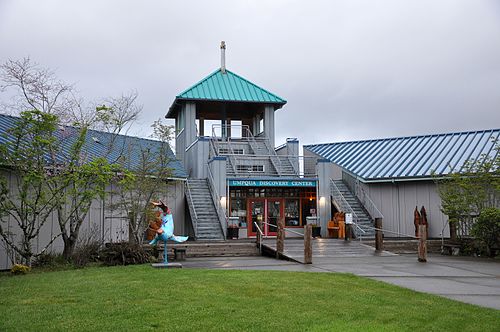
[[486, 231], [48, 260], [86, 253], [20, 269], [124, 253]]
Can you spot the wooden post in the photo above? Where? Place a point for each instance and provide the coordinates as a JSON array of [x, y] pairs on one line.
[[379, 240], [308, 244], [422, 243], [280, 238]]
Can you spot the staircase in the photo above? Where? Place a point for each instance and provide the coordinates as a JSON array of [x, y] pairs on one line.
[[206, 223], [258, 152], [364, 221]]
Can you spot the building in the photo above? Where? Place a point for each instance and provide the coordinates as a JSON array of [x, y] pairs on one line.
[[392, 176], [107, 223], [235, 172]]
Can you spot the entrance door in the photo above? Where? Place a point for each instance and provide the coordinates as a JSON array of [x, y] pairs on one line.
[[274, 213], [266, 210]]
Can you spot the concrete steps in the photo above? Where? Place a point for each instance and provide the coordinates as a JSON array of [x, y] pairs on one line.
[[364, 220], [203, 213], [229, 248]]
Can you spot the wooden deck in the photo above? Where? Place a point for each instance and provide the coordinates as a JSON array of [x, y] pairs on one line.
[[323, 248]]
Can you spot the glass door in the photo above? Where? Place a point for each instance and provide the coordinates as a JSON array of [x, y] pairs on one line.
[[269, 211], [274, 211]]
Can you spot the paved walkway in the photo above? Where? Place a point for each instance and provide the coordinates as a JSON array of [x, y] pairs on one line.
[[465, 279]]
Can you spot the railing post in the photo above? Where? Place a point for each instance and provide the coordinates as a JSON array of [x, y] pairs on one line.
[[280, 238], [259, 235], [379, 239], [422, 243], [308, 244]]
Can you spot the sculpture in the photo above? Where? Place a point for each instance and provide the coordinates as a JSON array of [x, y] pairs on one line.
[[166, 231]]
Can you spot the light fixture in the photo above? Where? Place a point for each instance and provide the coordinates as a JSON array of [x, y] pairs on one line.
[[223, 201]]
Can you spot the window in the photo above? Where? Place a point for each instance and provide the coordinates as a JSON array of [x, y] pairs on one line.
[[250, 168], [238, 209], [235, 151], [292, 216]]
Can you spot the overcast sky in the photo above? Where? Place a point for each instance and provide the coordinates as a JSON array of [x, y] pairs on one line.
[[348, 69]]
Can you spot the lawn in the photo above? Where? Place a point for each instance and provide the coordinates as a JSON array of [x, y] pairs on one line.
[[140, 298]]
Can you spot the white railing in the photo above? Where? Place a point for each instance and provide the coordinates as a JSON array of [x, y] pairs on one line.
[[221, 213], [367, 202], [261, 236], [279, 163], [191, 207], [345, 207]]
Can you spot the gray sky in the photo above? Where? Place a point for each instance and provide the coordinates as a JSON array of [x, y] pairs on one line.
[[348, 69]]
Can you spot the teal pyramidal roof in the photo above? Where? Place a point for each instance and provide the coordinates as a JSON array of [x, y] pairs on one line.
[[229, 87]]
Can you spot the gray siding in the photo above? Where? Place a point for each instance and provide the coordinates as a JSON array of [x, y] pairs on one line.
[[111, 225], [398, 200]]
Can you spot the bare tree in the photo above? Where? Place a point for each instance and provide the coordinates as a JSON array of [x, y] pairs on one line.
[[36, 88]]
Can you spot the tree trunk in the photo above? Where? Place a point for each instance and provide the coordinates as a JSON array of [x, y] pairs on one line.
[[69, 246], [453, 230]]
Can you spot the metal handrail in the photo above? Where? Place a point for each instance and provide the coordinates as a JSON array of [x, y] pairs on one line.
[[392, 232], [194, 209], [367, 201], [261, 236], [221, 213], [344, 205], [285, 229]]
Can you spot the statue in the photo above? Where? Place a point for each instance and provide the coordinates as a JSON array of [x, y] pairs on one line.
[[166, 231]]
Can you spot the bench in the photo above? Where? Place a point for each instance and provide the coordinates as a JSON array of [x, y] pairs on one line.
[[180, 254], [451, 249]]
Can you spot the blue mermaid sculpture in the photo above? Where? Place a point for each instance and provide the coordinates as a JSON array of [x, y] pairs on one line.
[[166, 231]]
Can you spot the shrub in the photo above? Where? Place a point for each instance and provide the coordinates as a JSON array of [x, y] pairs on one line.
[[124, 253], [48, 260], [85, 254], [20, 269], [486, 231]]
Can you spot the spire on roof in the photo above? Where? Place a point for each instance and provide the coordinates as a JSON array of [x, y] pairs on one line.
[[223, 57]]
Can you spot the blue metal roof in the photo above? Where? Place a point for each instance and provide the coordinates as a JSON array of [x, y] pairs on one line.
[[409, 157], [227, 87], [101, 144]]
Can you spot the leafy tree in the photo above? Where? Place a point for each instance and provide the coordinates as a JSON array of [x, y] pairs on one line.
[[79, 182], [26, 198], [466, 193], [486, 230], [150, 173]]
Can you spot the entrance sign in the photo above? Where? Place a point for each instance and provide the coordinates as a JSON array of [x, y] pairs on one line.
[[272, 183]]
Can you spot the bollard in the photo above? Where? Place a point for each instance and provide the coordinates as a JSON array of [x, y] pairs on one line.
[[308, 244], [422, 243], [280, 238], [379, 239]]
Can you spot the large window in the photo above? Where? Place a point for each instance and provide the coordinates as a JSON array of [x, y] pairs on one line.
[[237, 208], [292, 212]]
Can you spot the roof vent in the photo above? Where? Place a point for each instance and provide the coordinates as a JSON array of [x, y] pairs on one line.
[[223, 57]]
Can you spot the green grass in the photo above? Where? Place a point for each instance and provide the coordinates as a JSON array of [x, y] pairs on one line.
[[140, 298]]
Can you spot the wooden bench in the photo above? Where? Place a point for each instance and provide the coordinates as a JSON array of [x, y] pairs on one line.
[[451, 249], [180, 254]]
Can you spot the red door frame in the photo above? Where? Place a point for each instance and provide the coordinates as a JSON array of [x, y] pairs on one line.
[[267, 230]]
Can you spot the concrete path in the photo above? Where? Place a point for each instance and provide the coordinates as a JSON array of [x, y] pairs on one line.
[[465, 279]]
